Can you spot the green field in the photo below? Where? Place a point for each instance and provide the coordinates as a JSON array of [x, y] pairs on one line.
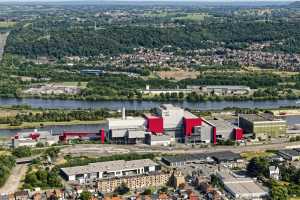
[[193, 17], [251, 154], [40, 124], [7, 24], [82, 84]]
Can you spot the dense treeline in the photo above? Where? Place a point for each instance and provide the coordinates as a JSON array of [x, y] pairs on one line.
[[6, 164], [56, 116], [59, 42]]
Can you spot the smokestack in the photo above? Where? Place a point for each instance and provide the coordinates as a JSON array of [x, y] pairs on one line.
[[123, 113]]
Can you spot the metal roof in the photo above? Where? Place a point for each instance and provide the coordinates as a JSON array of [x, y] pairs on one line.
[[110, 166]]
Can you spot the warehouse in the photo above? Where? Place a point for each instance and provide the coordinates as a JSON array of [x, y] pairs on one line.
[[290, 154], [211, 131], [262, 126], [241, 187], [217, 157], [110, 169], [31, 139]]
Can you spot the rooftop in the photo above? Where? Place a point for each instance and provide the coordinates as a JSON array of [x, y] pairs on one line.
[[189, 115], [259, 117], [218, 156], [221, 124], [110, 166], [290, 152]]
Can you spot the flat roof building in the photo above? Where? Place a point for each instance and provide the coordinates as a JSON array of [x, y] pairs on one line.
[[262, 125], [184, 159], [290, 154], [241, 187], [110, 169]]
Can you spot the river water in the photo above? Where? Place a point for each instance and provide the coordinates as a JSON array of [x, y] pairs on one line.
[[142, 105]]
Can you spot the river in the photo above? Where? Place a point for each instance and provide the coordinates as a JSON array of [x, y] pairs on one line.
[[143, 105]]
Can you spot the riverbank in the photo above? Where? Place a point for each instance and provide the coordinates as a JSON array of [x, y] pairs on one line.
[[33, 125]]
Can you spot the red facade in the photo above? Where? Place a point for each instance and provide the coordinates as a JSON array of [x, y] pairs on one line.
[[102, 136], [155, 124], [239, 134], [189, 124], [214, 135]]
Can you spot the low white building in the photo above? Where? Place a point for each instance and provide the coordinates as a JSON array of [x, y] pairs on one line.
[[110, 169], [159, 140]]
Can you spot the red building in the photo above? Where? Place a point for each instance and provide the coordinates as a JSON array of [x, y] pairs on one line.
[[69, 135], [189, 122], [155, 124]]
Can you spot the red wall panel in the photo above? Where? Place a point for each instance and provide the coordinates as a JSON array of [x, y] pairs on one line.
[[239, 134], [155, 124], [214, 135], [189, 124]]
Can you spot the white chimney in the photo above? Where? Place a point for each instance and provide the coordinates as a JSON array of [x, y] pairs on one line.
[[123, 113]]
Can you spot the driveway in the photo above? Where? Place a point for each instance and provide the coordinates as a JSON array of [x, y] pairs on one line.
[[13, 182]]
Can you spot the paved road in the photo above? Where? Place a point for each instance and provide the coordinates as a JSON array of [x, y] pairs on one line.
[[13, 181], [101, 150]]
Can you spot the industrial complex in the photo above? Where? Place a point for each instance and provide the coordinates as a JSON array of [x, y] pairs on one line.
[[167, 125]]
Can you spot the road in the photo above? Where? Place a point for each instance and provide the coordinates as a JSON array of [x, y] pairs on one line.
[[14, 179], [100, 150]]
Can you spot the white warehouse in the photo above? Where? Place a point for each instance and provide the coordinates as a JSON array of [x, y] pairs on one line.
[[110, 169]]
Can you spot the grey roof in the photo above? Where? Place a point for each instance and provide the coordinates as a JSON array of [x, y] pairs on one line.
[[110, 166], [259, 117], [290, 152], [218, 156]]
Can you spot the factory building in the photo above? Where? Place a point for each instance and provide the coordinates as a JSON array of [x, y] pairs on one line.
[[31, 139], [110, 169], [224, 90], [240, 187], [172, 116], [159, 140], [217, 157], [262, 126], [212, 131], [155, 124], [126, 130], [170, 123], [72, 135]]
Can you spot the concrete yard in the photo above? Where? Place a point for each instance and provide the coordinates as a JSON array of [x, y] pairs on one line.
[[13, 182]]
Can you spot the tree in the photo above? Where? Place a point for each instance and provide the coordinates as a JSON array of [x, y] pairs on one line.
[[122, 189], [21, 152], [147, 191], [85, 195], [258, 166], [278, 192]]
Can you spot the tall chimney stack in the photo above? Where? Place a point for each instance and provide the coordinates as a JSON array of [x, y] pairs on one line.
[[123, 113]]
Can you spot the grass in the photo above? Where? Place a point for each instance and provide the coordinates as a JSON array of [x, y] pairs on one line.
[[83, 84], [251, 154], [193, 17], [40, 124], [7, 24], [294, 198]]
